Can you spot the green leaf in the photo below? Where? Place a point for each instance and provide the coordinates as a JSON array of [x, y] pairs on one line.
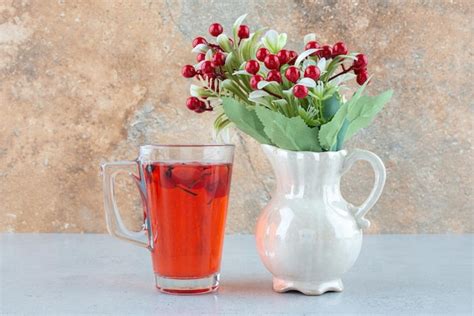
[[282, 38], [330, 106], [357, 95], [245, 119], [309, 115], [273, 41], [270, 41], [362, 113], [280, 105], [231, 63], [260, 96], [234, 89], [353, 115], [224, 43], [330, 67], [341, 135], [220, 122], [288, 133], [250, 45], [235, 27], [329, 131]]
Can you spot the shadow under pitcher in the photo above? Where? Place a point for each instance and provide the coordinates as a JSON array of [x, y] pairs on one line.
[[185, 193]]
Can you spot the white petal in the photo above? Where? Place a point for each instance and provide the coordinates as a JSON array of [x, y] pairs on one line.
[[309, 37], [272, 36], [195, 90], [308, 62], [239, 21], [209, 54], [198, 65], [307, 82], [258, 94], [304, 54], [200, 48], [262, 84], [322, 63], [242, 72]]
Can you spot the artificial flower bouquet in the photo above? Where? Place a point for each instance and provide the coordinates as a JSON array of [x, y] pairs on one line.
[[294, 101]]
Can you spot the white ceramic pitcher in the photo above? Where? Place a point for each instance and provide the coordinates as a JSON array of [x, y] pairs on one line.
[[308, 235]]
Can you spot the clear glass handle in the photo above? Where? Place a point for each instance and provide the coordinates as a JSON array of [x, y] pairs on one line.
[[115, 225], [380, 175]]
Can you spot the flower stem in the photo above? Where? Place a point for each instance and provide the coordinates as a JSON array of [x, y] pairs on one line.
[[341, 73]]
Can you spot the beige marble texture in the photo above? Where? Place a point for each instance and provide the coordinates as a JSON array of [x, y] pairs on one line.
[[83, 82]]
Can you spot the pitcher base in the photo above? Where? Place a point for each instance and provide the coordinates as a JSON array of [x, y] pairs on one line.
[[191, 286], [307, 287]]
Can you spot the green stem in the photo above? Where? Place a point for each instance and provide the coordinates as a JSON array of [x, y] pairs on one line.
[[320, 108], [273, 94], [341, 73]]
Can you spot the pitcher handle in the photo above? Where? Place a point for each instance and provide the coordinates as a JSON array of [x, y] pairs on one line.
[[115, 225], [380, 175]]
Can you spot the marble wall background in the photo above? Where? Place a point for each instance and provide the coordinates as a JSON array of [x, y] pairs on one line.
[[82, 82]]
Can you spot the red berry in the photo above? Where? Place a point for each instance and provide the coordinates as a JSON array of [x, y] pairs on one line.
[[199, 40], [255, 80], [272, 62], [283, 56], [362, 77], [292, 74], [188, 71], [300, 91], [312, 45], [243, 32], [193, 103], [339, 49], [206, 67], [252, 67], [218, 59], [325, 52], [200, 57], [293, 56], [215, 29], [262, 53], [202, 107], [312, 72], [361, 62], [274, 75], [359, 70]]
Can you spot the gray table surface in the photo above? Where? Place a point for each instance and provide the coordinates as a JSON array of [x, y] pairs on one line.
[[69, 274]]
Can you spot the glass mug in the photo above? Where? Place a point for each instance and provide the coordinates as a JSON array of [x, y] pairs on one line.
[[185, 192]]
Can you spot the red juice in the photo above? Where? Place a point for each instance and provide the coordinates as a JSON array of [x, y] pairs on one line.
[[187, 205]]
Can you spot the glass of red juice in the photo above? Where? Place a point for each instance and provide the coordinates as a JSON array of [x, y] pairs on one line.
[[185, 193]]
